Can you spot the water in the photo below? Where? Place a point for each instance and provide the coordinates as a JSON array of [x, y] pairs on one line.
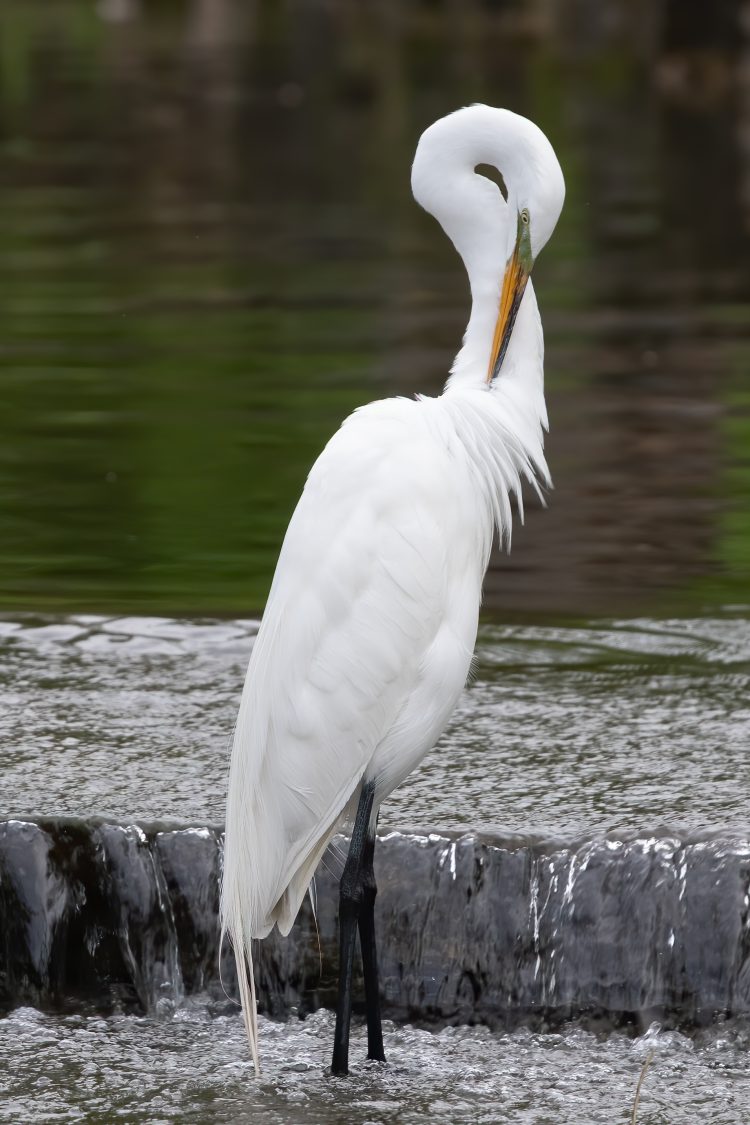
[[194, 1068], [209, 255], [567, 731], [563, 732]]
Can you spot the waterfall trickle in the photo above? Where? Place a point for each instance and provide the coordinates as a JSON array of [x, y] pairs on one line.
[[500, 931]]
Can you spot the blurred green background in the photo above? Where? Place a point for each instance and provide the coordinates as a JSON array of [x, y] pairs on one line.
[[209, 255]]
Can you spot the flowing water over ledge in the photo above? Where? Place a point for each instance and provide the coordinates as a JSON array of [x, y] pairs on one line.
[[109, 918], [572, 748], [504, 932]]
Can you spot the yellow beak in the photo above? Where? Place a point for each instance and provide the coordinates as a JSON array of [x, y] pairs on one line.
[[514, 282]]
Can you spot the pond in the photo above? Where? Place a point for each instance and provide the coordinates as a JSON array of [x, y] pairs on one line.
[[209, 255]]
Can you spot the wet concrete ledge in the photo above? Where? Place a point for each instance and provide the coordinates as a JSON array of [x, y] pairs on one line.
[[471, 929]]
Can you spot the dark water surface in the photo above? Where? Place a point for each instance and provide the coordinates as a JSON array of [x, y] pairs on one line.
[[209, 254]]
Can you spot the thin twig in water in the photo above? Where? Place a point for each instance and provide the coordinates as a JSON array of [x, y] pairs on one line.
[[644, 1068]]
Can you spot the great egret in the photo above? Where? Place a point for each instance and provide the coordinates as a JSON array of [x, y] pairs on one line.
[[371, 621]]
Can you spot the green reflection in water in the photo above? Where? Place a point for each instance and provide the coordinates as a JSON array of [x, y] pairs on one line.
[[209, 255], [732, 544]]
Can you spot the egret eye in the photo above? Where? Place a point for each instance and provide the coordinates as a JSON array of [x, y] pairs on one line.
[[525, 217]]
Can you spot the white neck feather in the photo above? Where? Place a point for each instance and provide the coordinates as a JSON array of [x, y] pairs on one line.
[[483, 228], [521, 379]]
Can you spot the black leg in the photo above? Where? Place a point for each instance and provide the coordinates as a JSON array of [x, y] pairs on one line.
[[352, 901], [369, 956]]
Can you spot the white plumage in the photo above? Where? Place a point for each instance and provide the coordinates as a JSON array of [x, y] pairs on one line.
[[371, 621]]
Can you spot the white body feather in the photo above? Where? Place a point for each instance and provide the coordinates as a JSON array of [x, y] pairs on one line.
[[371, 621]]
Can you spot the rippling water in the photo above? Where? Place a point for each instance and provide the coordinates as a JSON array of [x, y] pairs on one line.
[[562, 731], [194, 1068]]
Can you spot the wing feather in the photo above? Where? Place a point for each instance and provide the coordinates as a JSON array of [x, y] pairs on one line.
[[355, 604]]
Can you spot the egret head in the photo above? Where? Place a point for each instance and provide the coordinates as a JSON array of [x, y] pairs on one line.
[[535, 197], [499, 239]]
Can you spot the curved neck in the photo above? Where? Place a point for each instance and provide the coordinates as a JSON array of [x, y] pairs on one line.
[[483, 226], [521, 378]]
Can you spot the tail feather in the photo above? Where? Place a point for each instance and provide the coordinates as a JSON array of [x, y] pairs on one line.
[[231, 924], [246, 979]]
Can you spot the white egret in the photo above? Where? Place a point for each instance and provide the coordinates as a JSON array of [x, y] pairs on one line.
[[370, 626]]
